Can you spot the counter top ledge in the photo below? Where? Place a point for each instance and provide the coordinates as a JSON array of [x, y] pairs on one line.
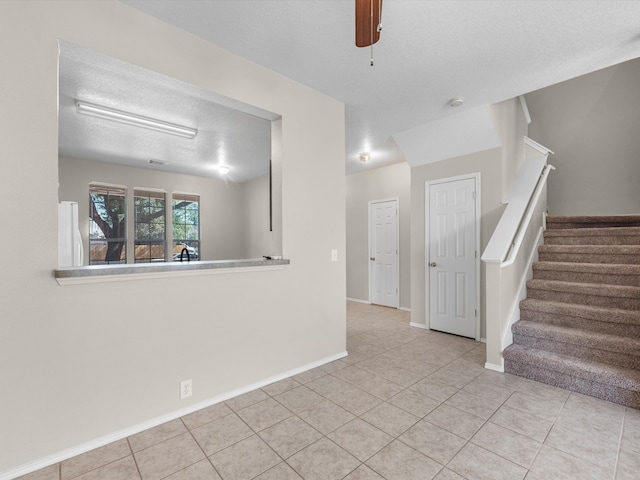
[[139, 271]]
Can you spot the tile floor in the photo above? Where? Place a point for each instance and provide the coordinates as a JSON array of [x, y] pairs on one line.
[[405, 404]]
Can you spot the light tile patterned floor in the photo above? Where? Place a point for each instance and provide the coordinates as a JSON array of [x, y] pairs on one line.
[[405, 404]]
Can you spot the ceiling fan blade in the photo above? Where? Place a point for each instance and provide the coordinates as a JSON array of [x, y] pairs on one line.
[[367, 20]]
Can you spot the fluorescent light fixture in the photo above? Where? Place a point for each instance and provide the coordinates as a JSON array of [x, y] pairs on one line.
[[135, 120], [224, 169]]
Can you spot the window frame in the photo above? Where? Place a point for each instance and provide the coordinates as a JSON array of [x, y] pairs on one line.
[[193, 198], [149, 194], [94, 226]]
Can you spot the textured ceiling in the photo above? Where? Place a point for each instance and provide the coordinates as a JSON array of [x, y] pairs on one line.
[[430, 51], [226, 135]]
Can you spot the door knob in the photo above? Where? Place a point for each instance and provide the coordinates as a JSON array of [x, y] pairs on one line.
[[373, 259], [432, 264]]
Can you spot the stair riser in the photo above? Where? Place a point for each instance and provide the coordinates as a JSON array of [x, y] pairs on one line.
[[583, 277], [575, 384], [610, 328], [583, 299], [589, 258], [599, 354], [593, 240]]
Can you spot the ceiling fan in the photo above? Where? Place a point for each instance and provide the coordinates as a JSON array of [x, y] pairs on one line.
[[368, 23]]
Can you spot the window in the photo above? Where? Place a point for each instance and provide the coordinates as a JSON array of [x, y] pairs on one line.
[[186, 225], [107, 225], [149, 226]]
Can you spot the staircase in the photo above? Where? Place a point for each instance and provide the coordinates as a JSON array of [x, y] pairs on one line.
[[579, 326]]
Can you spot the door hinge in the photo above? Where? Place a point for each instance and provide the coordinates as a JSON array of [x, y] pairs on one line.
[[476, 253], [476, 312], [473, 195], [396, 291]]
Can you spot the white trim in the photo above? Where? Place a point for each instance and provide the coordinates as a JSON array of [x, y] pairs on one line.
[[127, 277], [525, 109], [524, 191], [127, 432], [404, 309], [483, 340], [514, 315], [418, 325], [477, 178], [357, 300], [494, 367], [537, 146], [397, 272], [95, 183]]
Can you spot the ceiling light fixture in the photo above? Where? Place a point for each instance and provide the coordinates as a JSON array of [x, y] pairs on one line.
[[224, 169], [365, 157], [134, 120], [456, 102]]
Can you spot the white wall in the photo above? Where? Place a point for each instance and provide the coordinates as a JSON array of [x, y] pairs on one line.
[[222, 204], [258, 239], [511, 126], [488, 163], [81, 371], [393, 181], [591, 123]]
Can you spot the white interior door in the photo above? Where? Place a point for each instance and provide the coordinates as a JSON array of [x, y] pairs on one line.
[[452, 234], [383, 240]]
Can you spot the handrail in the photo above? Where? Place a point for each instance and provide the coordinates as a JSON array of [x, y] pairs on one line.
[[527, 219], [521, 198]]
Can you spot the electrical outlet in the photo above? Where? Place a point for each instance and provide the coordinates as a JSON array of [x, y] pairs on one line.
[[334, 255], [186, 389]]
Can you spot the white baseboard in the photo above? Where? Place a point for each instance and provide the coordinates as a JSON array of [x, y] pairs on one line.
[[154, 422], [494, 367], [357, 300], [367, 302], [418, 325]]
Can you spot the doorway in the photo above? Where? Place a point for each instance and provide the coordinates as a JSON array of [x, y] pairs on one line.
[[383, 252], [452, 244]]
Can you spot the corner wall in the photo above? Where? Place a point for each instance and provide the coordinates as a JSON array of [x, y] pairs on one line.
[[488, 163], [393, 181], [85, 371], [591, 123]]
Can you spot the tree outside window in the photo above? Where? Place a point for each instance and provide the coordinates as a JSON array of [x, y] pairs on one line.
[[186, 225], [107, 225], [149, 226]]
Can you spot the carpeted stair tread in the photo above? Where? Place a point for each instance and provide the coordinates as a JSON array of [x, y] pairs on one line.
[[571, 336], [622, 254], [608, 374], [599, 314], [579, 326], [593, 236], [601, 268], [586, 221], [608, 273], [609, 382], [616, 291], [592, 249]]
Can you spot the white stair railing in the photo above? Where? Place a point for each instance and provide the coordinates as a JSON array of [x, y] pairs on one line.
[[511, 251]]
